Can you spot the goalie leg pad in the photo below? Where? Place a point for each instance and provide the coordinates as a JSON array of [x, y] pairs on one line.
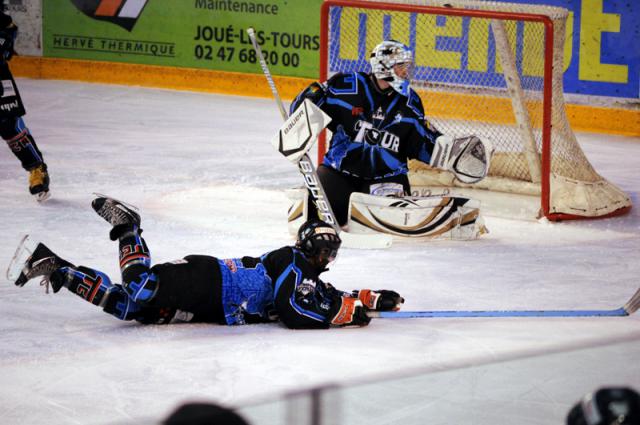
[[389, 189], [441, 217], [338, 188], [298, 209]]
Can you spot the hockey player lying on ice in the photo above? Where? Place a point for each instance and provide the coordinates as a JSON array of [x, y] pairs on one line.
[[280, 285]]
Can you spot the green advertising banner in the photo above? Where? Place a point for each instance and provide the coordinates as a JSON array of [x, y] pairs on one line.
[[208, 34]]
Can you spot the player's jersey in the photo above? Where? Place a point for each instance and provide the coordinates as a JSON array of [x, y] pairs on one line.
[[11, 105], [281, 284], [374, 132], [5, 20]]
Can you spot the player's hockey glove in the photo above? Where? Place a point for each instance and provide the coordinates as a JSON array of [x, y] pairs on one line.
[[348, 311], [381, 299], [7, 37]]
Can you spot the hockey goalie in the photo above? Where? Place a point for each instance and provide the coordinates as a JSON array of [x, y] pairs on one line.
[[377, 125]]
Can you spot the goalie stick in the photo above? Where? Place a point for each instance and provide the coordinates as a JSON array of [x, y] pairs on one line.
[[626, 310], [308, 170]]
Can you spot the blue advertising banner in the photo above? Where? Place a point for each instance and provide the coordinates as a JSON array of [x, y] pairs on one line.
[[604, 55], [601, 52]]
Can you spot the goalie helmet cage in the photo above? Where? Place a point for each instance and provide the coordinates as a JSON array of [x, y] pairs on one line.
[[486, 68]]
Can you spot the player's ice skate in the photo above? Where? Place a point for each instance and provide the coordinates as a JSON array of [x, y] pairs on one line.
[[115, 212], [29, 262], [39, 183], [25, 248]]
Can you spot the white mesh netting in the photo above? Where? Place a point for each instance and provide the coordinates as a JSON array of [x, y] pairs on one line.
[[484, 76]]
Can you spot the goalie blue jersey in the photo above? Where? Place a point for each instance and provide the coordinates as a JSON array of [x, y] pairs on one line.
[[374, 132]]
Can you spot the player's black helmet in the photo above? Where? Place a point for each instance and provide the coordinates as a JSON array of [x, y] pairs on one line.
[[607, 406], [318, 239]]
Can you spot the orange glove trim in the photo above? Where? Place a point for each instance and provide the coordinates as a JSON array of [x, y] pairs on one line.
[[369, 298]]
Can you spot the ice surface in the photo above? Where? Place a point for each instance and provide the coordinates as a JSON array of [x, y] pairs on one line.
[[201, 169]]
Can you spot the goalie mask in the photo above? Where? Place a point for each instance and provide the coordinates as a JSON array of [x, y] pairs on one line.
[[319, 242], [392, 62]]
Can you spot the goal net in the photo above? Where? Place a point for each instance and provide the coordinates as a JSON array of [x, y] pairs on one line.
[[490, 69]]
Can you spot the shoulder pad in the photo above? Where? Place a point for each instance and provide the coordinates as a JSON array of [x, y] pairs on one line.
[[342, 80], [415, 104]]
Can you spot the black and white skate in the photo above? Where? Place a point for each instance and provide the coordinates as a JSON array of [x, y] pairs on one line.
[[121, 216], [115, 212], [43, 262]]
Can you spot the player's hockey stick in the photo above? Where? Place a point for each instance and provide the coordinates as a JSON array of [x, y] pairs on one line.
[[629, 308], [308, 170]]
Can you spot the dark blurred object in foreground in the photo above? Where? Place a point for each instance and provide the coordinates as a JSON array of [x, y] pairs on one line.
[[607, 406], [203, 414]]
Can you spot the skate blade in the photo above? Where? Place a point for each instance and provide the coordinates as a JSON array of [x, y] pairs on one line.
[[22, 254], [42, 196]]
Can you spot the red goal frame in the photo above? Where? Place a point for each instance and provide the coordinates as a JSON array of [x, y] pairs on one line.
[[545, 161]]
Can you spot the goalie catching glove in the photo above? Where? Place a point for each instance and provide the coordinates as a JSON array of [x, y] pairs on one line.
[[381, 299], [468, 158]]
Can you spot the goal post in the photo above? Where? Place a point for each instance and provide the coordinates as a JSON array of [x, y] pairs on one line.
[[486, 68]]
